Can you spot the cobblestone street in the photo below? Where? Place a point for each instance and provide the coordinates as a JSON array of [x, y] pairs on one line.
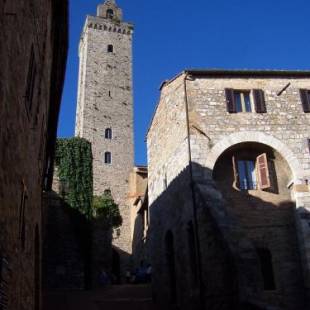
[[137, 297]]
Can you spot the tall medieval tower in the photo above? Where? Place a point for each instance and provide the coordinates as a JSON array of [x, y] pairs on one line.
[[105, 108]]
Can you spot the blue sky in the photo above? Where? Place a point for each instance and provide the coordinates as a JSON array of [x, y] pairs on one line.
[[171, 35]]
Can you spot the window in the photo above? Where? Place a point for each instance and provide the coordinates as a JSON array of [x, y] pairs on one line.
[[108, 133], [250, 174], [165, 182], [107, 158], [241, 101], [31, 77], [305, 99], [246, 173], [110, 48], [107, 192], [265, 260], [110, 13]]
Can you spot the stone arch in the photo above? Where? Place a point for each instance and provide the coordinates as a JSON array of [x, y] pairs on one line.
[[258, 137]]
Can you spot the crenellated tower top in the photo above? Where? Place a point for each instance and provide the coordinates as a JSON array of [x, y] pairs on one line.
[[110, 10]]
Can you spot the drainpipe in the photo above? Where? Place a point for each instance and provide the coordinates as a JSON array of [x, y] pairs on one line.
[[192, 186]]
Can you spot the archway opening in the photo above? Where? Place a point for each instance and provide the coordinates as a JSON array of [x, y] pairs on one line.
[[256, 183], [170, 259], [254, 168], [110, 13]]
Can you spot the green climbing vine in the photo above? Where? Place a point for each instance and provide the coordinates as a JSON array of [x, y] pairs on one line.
[[73, 160], [104, 207]]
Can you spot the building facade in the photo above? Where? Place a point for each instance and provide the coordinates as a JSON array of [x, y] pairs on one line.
[[138, 203], [33, 53], [105, 109], [229, 196]]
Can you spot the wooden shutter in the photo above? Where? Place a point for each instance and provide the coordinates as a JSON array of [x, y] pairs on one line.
[[259, 101], [230, 100], [263, 171], [305, 100], [235, 172]]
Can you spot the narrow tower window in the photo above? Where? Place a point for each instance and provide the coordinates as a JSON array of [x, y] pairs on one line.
[[107, 158], [110, 48], [110, 13], [31, 77], [108, 133]]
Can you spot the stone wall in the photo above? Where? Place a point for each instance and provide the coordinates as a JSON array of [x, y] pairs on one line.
[[284, 128], [64, 246], [32, 60], [105, 101], [138, 203]]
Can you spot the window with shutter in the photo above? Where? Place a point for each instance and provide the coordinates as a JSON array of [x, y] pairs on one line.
[[263, 171], [305, 99], [259, 101], [230, 100], [240, 100], [235, 171]]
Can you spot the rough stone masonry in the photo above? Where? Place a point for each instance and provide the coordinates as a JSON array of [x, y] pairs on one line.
[[254, 240], [105, 109]]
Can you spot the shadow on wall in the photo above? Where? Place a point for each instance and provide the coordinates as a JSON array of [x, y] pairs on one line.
[[66, 246], [246, 256], [140, 251], [76, 250]]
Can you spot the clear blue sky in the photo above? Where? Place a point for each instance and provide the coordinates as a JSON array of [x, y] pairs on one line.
[[171, 35]]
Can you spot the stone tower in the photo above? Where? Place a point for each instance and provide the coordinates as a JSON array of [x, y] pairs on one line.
[[105, 108]]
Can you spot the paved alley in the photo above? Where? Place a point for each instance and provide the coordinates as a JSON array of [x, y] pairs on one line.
[[116, 297]]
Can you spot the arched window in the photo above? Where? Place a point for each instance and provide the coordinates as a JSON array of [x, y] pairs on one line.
[[107, 158], [108, 133], [110, 13], [110, 48], [266, 265]]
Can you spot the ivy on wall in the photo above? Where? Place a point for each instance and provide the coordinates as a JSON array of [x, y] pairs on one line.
[[104, 207], [74, 166]]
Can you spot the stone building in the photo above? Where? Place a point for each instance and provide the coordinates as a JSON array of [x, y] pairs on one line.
[[139, 217], [105, 109], [33, 50], [229, 196]]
